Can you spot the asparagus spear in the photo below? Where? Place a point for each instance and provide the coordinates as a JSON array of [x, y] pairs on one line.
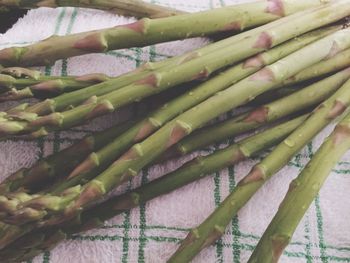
[[135, 8], [58, 165], [190, 172], [214, 226], [47, 210], [150, 31], [299, 100], [275, 95], [198, 67], [302, 192], [309, 75], [49, 88], [98, 161], [31, 83]]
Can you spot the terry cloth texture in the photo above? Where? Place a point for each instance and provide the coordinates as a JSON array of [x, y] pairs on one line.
[[152, 232]]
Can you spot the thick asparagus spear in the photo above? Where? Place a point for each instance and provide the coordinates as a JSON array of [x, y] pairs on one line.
[[58, 165], [135, 8], [214, 226], [196, 68], [190, 172], [44, 210], [150, 31], [299, 100], [302, 192], [98, 161]]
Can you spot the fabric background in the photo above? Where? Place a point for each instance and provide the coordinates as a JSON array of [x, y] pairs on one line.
[[152, 232]]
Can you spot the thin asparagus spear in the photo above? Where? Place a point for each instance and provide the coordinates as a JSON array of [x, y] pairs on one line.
[[214, 226], [32, 82], [150, 31], [230, 128], [47, 210], [99, 161], [193, 69], [135, 8], [190, 172], [302, 192], [51, 88]]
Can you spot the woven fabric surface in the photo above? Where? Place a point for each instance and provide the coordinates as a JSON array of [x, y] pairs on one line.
[[152, 232]]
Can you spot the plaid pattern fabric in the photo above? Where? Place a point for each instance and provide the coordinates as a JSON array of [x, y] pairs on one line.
[[152, 232]]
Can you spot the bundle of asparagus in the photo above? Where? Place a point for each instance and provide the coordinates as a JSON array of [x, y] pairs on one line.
[[305, 56]]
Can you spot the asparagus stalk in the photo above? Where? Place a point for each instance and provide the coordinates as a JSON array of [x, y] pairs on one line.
[[198, 67], [305, 77], [275, 95], [47, 210], [150, 31], [99, 161], [214, 226], [190, 172], [58, 165], [334, 64], [49, 88], [30, 83], [299, 100], [135, 8], [302, 192]]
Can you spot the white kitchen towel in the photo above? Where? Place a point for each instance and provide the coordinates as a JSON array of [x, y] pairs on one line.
[[152, 232]]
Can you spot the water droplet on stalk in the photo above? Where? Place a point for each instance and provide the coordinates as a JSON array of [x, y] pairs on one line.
[[289, 142]]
